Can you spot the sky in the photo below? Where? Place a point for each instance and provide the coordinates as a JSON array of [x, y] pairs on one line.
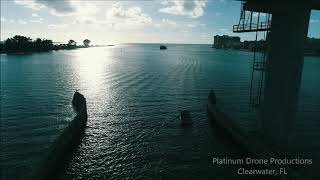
[[113, 22]]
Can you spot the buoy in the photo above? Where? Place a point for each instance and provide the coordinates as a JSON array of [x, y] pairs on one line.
[[185, 118], [162, 47], [212, 97]]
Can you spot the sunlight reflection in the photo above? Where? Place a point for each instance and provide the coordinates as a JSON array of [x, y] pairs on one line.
[[92, 63]]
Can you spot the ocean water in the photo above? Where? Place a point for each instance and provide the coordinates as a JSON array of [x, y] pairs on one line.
[[134, 94]]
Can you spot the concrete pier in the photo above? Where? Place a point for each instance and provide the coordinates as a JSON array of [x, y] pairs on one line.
[[66, 142]]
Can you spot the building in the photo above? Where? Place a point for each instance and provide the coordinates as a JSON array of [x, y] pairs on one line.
[[311, 45], [226, 42]]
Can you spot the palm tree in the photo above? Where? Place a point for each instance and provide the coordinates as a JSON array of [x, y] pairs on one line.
[[1, 46], [72, 43], [86, 42], [18, 44], [37, 43], [47, 44]]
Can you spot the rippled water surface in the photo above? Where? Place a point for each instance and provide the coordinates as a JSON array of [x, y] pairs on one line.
[[134, 94]]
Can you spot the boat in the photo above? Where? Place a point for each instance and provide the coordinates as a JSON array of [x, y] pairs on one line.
[[162, 47]]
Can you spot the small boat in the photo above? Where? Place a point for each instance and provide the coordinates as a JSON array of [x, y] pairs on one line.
[[185, 118], [162, 47]]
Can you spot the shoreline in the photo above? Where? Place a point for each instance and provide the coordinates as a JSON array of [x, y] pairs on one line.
[[55, 49], [31, 52], [308, 54]]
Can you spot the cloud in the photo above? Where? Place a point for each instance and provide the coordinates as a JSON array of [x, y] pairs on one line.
[[20, 21], [85, 8], [117, 17], [184, 25], [165, 2], [38, 20], [169, 22], [60, 7], [191, 25], [34, 15], [131, 17], [30, 4], [87, 20], [192, 8], [165, 24], [2, 19], [57, 26]]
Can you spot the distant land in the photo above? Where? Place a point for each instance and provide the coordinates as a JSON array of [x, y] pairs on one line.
[[312, 45], [22, 45]]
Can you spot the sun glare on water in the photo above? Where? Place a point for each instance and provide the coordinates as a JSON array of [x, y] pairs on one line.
[[92, 64]]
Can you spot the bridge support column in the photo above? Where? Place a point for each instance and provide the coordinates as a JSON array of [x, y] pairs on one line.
[[284, 71]]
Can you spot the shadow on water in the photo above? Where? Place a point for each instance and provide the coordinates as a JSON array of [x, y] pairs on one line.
[[227, 147], [64, 146], [72, 153], [58, 172]]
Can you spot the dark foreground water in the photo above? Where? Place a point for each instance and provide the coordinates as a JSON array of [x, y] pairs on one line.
[[134, 94]]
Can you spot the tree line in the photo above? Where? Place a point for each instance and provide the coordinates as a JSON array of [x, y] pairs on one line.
[[22, 44]]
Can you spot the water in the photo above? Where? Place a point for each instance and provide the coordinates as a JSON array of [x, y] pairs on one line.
[[134, 94]]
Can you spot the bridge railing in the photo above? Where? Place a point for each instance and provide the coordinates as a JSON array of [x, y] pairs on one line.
[[252, 27]]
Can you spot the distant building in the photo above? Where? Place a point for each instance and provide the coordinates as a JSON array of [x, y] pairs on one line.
[[234, 42], [226, 42], [312, 45]]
